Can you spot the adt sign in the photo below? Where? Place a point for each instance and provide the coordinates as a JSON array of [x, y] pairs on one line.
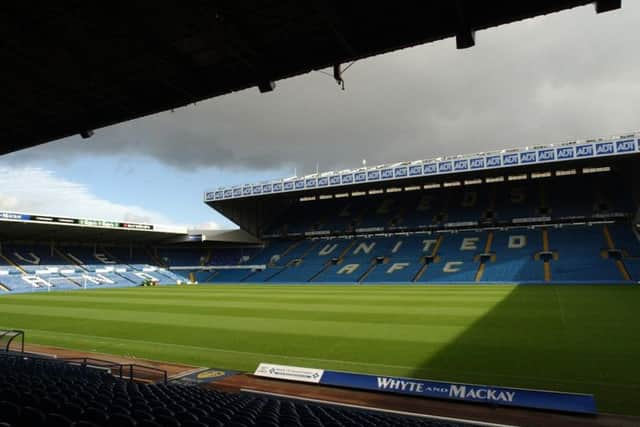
[[510, 159], [387, 173], [604, 148], [460, 165], [584, 150], [415, 170], [430, 169], [373, 175], [444, 167], [493, 161], [546, 155], [528, 157], [564, 153], [400, 172], [477, 163], [626, 146]]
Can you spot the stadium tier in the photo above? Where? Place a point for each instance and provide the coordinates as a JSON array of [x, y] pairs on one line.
[[503, 203], [558, 254], [42, 392], [546, 214]]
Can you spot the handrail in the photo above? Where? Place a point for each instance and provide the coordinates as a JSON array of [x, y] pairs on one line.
[[127, 371], [134, 370]]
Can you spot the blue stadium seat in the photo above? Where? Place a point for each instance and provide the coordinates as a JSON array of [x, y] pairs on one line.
[[515, 261], [580, 256], [54, 393], [229, 276], [455, 258]]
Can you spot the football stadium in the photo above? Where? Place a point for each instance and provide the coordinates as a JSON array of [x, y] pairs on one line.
[[494, 288]]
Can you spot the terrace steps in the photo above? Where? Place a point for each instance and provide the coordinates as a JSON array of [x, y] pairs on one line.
[[67, 258], [487, 249], [611, 245], [433, 254], [13, 264]]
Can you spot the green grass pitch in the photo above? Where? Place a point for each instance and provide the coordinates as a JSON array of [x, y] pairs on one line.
[[569, 338]]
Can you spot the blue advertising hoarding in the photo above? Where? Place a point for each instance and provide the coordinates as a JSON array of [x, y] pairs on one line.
[[500, 396]]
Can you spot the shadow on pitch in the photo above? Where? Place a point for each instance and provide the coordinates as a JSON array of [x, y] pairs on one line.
[[565, 338]]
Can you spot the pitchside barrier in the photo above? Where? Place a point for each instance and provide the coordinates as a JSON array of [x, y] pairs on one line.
[[485, 394]]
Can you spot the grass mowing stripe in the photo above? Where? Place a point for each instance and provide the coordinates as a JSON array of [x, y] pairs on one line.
[[461, 318], [402, 293], [321, 311], [397, 332], [272, 343], [354, 301]]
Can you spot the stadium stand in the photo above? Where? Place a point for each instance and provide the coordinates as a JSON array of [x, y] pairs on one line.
[[31, 268], [603, 252], [36, 392], [542, 224]]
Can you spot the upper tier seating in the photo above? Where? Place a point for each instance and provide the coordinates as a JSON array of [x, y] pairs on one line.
[[582, 196]]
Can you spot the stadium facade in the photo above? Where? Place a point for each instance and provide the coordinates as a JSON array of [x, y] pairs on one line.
[[563, 213]]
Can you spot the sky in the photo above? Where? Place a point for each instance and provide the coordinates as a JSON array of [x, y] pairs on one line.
[[566, 76]]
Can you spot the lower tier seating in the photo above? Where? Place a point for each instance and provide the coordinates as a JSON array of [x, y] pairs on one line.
[[557, 254], [37, 392]]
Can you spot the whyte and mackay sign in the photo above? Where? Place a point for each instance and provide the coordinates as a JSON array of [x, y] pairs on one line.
[[491, 395]]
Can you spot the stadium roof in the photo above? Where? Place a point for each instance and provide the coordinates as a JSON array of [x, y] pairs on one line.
[[445, 165], [69, 68], [252, 205], [34, 227], [16, 226]]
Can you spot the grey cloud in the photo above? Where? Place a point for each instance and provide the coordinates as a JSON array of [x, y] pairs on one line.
[[554, 78]]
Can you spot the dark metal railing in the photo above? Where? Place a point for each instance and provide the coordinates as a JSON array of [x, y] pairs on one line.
[[128, 371]]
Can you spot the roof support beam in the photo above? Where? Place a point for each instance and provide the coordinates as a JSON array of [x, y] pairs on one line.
[[465, 35], [86, 133], [266, 86], [607, 5]]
